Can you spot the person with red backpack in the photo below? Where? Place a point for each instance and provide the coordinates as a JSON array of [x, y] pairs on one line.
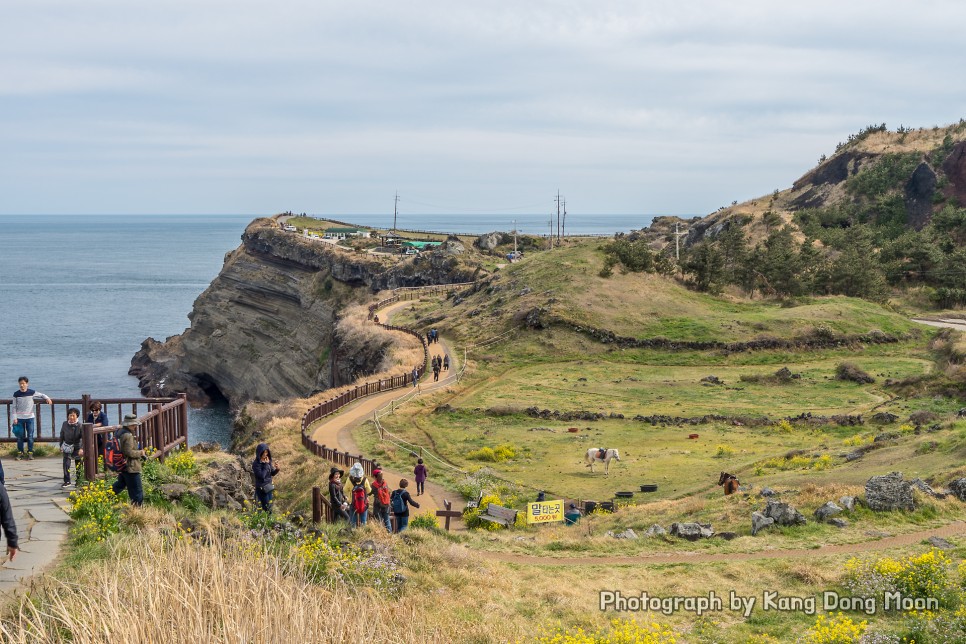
[[359, 489], [381, 500], [129, 474]]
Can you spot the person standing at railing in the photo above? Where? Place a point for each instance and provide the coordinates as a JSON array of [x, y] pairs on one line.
[[130, 475], [98, 418], [24, 418], [70, 445]]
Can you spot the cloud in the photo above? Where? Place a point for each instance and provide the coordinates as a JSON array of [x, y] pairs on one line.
[[675, 107]]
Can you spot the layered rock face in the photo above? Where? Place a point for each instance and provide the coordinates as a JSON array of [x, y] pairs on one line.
[[265, 327]]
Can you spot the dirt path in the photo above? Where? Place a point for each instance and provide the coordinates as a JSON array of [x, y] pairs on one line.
[[336, 431], [951, 529]]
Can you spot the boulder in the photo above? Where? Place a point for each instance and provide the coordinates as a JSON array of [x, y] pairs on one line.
[[488, 241], [958, 488], [847, 502], [925, 488], [940, 543], [691, 531], [626, 534], [826, 511], [655, 531], [784, 514], [767, 491], [727, 536], [206, 446], [889, 492], [884, 418], [838, 522], [759, 522]]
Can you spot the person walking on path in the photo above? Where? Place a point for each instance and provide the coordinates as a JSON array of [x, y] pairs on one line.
[[70, 445], [357, 490], [129, 477], [23, 416], [400, 501], [436, 372], [415, 376], [9, 525], [263, 469], [421, 474], [336, 497], [381, 499], [446, 362]]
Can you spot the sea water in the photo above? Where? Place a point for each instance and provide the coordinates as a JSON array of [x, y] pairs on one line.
[[80, 292]]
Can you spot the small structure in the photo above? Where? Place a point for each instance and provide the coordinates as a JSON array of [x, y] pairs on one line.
[[343, 233]]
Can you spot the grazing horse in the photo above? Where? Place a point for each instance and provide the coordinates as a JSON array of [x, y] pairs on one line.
[[730, 483], [594, 455]]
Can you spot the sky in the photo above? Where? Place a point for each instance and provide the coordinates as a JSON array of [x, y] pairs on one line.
[[652, 107]]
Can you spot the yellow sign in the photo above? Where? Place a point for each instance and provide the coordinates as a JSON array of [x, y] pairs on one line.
[[545, 512]]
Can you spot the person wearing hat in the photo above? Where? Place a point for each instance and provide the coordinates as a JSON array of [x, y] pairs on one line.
[[129, 478], [336, 496], [381, 499], [572, 516]]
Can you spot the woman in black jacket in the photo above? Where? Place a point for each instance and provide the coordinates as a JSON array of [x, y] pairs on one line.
[[336, 496], [264, 469], [70, 445]]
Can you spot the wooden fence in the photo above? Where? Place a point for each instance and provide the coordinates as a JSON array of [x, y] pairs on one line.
[[321, 509]]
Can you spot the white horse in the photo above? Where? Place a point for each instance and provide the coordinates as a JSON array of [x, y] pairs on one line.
[[593, 456]]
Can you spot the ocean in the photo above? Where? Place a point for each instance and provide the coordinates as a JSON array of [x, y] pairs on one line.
[[80, 292]]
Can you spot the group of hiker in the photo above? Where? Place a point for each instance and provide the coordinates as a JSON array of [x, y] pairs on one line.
[[440, 363], [350, 498], [432, 336]]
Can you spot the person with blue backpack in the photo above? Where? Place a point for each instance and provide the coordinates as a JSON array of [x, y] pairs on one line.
[[400, 502], [129, 474]]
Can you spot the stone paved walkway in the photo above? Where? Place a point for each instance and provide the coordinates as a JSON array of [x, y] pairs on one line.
[[40, 510]]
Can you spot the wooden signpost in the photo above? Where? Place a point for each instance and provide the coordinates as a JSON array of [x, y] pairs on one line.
[[449, 513]]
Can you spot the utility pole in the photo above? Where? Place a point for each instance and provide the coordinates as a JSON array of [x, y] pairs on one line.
[[565, 218], [395, 212], [558, 218], [550, 236], [677, 242]]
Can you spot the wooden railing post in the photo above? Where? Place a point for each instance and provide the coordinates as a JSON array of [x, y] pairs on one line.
[[157, 435], [316, 504], [183, 418], [89, 444]]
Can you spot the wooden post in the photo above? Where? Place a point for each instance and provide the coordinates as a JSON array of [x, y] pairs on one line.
[[183, 418], [156, 433], [448, 512], [316, 505], [90, 451]]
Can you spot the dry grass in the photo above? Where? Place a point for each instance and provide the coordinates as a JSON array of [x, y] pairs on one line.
[[188, 592]]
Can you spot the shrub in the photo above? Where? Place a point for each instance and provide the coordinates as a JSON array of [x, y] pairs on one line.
[[620, 631], [823, 462], [852, 372], [835, 630], [783, 426], [924, 575], [182, 462], [95, 507], [428, 521], [498, 454], [724, 451]]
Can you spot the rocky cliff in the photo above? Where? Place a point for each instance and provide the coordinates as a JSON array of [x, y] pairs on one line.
[[265, 329]]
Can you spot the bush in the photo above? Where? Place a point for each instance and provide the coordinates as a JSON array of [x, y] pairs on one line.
[[619, 632], [724, 451], [95, 507], [852, 372], [835, 630], [428, 521], [498, 454], [182, 462]]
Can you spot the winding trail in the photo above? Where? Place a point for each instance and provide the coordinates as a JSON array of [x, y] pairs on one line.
[[337, 431]]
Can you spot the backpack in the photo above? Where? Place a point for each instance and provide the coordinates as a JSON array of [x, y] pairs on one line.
[[113, 456], [382, 492], [397, 502], [359, 502]]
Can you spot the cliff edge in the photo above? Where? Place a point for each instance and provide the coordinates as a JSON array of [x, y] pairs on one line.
[[265, 328]]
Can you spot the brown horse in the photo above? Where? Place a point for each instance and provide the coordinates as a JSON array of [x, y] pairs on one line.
[[730, 483]]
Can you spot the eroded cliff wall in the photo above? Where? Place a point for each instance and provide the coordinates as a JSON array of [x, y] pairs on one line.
[[265, 327]]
